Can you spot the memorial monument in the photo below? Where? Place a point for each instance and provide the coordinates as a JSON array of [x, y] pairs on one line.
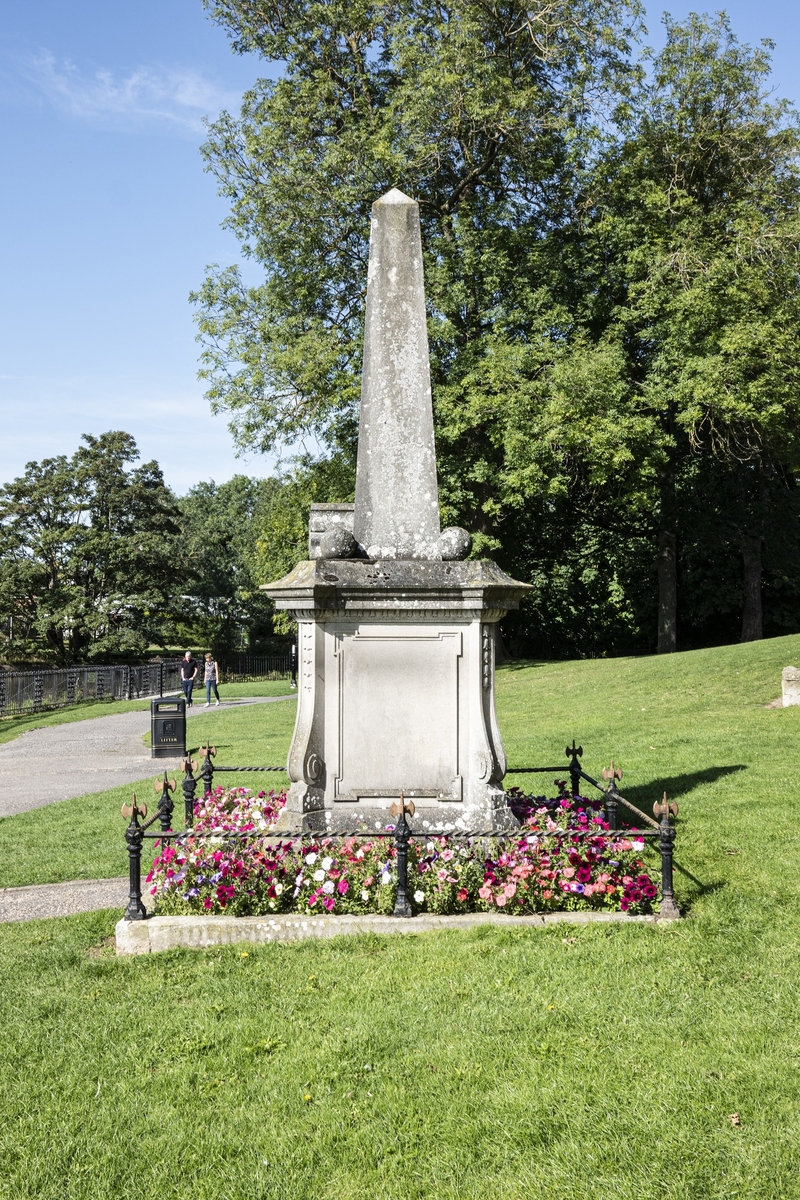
[[396, 633]]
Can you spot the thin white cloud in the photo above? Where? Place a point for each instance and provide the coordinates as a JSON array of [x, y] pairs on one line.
[[179, 98]]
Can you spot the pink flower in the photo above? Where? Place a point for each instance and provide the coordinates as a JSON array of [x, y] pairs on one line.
[[510, 890], [485, 892], [568, 872], [447, 854], [547, 894], [500, 900], [328, 902], [462, 895], [207, 902], [343, 887]]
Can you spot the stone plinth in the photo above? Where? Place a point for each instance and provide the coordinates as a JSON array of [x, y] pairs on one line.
[[790, 679], [396, 665]]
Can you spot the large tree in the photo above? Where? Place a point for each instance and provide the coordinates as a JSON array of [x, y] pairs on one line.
[[611, 265], [87, 555], [481, 112], [689, 243]]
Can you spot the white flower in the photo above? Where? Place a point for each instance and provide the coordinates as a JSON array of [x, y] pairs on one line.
[[364, 895], [419, 897], [319, 876], [328, 887], [327, 863], [386, 878], [278, 889], [311, 859], [463, 851], [359, 854]]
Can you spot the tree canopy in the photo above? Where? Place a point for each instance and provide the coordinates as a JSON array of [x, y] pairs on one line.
[[611, 255]]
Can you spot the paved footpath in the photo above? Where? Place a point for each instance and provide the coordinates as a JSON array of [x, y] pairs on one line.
[[59, 762]]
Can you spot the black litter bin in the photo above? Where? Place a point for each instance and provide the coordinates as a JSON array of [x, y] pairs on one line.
[[168, 727]]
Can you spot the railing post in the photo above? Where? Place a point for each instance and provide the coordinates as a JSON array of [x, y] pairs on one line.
[[574, 753], [2, 692], [402, 836], [189, 786], [166, 806], [666, 840], [134, 837], [207, 769], [612, 774], [37, 690]]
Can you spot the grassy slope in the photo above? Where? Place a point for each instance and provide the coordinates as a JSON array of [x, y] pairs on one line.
[[503, 1064]]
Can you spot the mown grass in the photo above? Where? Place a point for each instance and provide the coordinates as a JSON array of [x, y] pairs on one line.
[[612, 1062], [580, 1063]]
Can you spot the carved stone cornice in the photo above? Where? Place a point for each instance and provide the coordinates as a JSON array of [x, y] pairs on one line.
[[396, 589]]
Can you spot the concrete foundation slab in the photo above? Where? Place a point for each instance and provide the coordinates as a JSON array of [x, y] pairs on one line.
[[201, 932]]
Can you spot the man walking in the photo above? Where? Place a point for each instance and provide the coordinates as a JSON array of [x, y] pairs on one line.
[[188, 676]]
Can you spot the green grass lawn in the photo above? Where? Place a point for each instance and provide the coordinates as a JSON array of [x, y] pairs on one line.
[[570, 1064], [602, 1062]]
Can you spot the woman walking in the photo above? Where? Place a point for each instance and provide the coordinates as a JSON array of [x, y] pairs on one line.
[[211, 679]]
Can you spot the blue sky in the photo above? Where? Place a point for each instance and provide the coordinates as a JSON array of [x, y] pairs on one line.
[[107, 219]]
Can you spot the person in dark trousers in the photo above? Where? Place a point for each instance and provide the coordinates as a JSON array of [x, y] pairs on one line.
[[188, 676], [211, 679]]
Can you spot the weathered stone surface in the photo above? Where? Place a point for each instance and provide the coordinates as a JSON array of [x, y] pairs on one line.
[[197, 933], [396, 646], [337, 543], [397, 495], [454, 543], [327, 518], [790, 679], [396, 664], [354, 586]]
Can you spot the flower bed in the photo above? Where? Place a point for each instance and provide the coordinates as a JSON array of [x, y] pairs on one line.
[[563, 858]]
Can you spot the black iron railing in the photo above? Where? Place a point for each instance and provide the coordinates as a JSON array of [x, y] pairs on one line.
[[662, 828], [58, 687]]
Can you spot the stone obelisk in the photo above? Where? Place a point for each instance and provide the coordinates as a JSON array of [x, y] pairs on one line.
[[396, 633], [397, 497]]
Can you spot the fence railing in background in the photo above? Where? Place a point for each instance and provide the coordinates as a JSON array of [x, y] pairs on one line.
[[248, 668], [59, 687]]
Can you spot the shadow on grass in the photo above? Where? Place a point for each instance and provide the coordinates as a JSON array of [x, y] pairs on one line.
[[644, 795]]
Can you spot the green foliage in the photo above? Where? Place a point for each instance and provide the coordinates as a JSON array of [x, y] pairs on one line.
[[611, 258], [86, 555], [223, 607]]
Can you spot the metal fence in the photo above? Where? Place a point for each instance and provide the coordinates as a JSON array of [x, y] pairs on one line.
[[662, 828], [248, 668], [58, 687]]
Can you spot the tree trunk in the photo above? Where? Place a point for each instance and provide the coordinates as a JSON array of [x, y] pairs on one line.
[[667, 566], [752, 617]]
